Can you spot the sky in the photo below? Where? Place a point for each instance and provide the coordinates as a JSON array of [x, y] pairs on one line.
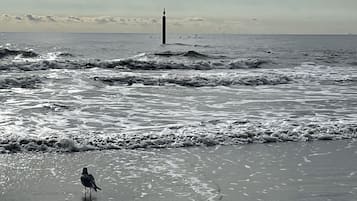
[[184, 16]]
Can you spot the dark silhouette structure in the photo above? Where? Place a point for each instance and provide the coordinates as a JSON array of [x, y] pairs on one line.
[[164, 28], [88, 181]]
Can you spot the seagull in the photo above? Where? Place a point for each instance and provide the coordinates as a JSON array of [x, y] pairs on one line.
[[88, 181]]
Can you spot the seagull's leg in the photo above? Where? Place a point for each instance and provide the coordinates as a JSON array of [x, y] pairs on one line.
[[90, 194]]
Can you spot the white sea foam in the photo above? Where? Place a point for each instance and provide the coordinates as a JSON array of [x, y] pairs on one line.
[[77, 97], [199, 79], [204, 134]]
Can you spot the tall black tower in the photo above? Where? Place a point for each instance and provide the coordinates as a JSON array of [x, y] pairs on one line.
[[164, 28]]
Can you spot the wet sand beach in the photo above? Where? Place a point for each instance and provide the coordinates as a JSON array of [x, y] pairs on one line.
[[306, 171]]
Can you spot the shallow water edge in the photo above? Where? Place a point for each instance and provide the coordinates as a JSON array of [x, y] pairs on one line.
[[305, 171]]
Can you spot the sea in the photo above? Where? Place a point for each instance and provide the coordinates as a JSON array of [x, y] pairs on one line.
[[70, 92]]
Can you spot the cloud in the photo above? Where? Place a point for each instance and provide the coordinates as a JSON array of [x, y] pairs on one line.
[[33, 18], [89, 21], [105, 20], [5, 17], [73, 19], [196, 19], [124, 24], [122, 21], [50, 18], [177, 24]]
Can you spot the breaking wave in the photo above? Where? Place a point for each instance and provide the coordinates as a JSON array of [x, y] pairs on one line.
[[29, 55], [189, 45], [168, 60], [4, 52], [45, 65], [189, 54], [211, 133], [201, 80], [133, 64]]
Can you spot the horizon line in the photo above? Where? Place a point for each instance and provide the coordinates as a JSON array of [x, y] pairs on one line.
[[185, 33]]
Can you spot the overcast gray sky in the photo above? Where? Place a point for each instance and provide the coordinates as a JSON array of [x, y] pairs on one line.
[[194, 16]]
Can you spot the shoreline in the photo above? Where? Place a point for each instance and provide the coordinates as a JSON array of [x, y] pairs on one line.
[[277, 171]]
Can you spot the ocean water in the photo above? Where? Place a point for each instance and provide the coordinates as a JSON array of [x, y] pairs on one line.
[[78, 92]]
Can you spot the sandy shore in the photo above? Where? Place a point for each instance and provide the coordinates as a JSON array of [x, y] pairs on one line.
[[323, 170]]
